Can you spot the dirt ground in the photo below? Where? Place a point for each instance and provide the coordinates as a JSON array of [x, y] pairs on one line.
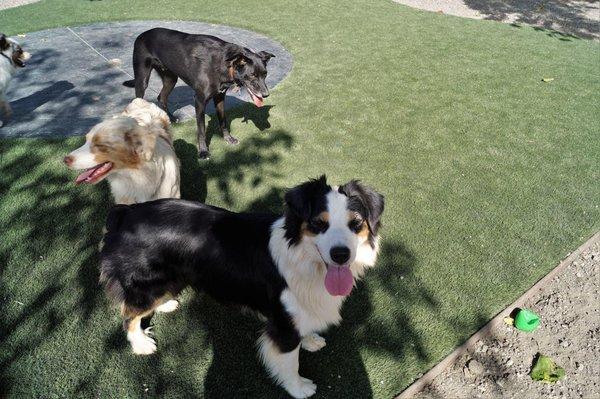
[[4, 4], [569, 333]]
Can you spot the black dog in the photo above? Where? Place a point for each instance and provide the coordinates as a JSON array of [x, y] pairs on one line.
[[295, 269], [207, 64]]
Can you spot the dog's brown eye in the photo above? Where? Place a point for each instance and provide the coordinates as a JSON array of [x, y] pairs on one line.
[[318, 226], [356, 225]]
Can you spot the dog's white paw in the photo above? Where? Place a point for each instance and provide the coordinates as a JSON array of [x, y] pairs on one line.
[[168, 306], [142, 344], [313, 342], [301, 388]]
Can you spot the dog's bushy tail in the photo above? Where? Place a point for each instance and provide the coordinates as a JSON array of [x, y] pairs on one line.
[[108, 277], [129, 83]]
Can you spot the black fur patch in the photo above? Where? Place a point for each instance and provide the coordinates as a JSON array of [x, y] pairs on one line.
[[4, 43], [367, 202], [303, 203]]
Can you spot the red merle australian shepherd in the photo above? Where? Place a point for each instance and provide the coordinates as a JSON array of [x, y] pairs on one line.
[[295, 269]]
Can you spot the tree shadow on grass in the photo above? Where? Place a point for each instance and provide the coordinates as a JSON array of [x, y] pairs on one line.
[[49, 288], [49, 251], [563, 20], [261, 153], [41, 214]]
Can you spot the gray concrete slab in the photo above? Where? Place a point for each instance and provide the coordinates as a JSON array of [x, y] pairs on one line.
[[70, 83]]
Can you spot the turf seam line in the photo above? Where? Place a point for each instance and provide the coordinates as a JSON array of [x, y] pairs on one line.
[[418, 385], [107, 60]]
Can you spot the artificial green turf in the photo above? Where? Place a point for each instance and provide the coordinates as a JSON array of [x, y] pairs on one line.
[[490, 176]]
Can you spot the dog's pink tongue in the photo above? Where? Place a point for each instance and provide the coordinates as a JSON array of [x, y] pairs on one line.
[[338, 280], [85, 175], [258, 101]]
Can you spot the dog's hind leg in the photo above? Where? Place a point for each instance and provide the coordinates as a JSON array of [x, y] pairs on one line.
[[141, 342], [169, 80], [142, 67], [219, 100]]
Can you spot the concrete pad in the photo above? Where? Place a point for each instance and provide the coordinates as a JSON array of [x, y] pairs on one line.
[[74, 79]]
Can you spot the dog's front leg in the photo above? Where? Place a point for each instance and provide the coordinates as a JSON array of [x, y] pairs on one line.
[[219, 100], [283, 365], [200, 102]]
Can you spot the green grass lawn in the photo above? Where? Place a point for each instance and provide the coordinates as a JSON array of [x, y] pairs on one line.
[[490, 177]]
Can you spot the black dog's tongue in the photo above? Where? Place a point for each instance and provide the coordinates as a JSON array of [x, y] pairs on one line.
[[258, 100]]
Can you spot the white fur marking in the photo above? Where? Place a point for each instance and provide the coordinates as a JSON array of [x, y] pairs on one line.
[[313, 342], [169, 306], [83, 158], [283, 367], [141, 343]]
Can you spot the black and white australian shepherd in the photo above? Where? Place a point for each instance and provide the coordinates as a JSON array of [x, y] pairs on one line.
[[12, 58], [134, 152], [295, 270]]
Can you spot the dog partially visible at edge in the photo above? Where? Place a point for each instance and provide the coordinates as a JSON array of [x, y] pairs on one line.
[[209, 65], [294, 269], [134, 152], [12, 58]]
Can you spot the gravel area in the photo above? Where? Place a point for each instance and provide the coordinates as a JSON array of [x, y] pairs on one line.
[[560, 18], [498, 366], [4, 4]]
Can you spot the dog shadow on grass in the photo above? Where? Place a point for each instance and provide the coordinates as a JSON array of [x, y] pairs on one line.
[[252, 162], [183, 97]]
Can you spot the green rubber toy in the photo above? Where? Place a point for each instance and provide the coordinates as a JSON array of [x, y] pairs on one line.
[[526, 320]]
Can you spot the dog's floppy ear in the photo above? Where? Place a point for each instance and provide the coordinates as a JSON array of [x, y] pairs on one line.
[[298, 199], [3, 42], [141, 142], [372, 201], [265, 56]]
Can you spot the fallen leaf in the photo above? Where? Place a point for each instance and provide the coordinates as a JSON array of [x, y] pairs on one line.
[[546, 370], [510, 321]]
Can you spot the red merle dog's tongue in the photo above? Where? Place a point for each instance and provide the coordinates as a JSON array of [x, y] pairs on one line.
[[94, 173]]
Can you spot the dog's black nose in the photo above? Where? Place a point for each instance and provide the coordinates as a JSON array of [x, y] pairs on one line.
[[339, 255]]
